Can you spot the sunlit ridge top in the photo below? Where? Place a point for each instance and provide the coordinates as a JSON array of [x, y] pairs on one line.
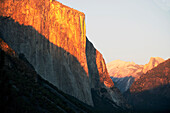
[[57, 3]]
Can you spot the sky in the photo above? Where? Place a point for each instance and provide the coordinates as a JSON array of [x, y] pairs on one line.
[[129, 30]]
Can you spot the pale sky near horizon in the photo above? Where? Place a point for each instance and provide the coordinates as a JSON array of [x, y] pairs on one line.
[[129, 30]]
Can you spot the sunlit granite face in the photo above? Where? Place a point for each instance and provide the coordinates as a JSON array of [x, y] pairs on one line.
[[61, 25], [52, 37]]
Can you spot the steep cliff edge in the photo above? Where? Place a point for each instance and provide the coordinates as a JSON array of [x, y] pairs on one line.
[[52, 37], [97, 68], [103, 90]]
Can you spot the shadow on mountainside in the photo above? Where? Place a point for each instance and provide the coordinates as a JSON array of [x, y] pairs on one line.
[[65, 69], [155, 100], [15, 34], [124, 83], [64, 72], [24, 91], [100, 95]]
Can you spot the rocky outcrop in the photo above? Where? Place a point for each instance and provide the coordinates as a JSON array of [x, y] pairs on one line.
[[153, 62], [97, 68], [52, 37], [151, 92], [124, 73], [103, 89]]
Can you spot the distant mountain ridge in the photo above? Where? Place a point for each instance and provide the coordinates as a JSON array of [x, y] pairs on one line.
[[125, 73], [151, 92]]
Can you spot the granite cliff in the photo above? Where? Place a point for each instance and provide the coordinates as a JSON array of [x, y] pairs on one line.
[[124, 73], [52, 37], [24, 91]]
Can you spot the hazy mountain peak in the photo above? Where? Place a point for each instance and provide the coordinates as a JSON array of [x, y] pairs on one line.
[[153, 62], [119, 63], [124, 73], [156, 59], [119, 68]]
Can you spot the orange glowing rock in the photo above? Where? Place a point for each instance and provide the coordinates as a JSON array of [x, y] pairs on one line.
[[154, 61], [61, 25], [103, 73], [60, 58], [156, 77], [6, 48]]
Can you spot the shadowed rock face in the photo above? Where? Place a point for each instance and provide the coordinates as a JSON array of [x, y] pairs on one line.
[[24, 91], [124, 83], [97, 68], [52, 37]]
